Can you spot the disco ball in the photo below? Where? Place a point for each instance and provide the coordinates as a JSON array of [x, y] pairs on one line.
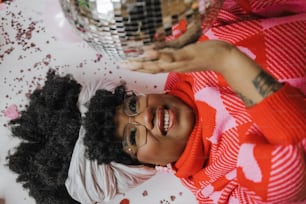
[[122, 28]]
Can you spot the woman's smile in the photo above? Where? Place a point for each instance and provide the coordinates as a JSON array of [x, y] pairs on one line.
[[165, 120], [168, 122]]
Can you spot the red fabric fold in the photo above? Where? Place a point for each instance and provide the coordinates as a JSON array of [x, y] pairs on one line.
[[197, 149]]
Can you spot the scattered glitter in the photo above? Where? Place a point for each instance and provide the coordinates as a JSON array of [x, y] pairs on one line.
[[98, 58], [145, 193], [164, 201]]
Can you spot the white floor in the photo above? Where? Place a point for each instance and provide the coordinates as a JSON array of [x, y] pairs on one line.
[[25, 58]]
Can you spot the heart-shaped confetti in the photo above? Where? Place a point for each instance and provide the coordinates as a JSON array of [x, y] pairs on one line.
[[125, 201], [145, 193], [11, 112], [172, 198]]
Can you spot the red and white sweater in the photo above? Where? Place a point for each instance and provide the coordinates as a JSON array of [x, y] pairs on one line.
[[254, 155]]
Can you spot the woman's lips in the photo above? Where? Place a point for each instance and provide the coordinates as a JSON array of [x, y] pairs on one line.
[[171, 118], [165, 120], [160, 121]]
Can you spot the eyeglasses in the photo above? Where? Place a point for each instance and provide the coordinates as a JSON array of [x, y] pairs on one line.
[[134, 134]]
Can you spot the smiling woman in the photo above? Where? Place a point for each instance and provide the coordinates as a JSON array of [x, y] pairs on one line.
[[167, 123], [56, 127], [230, 125]]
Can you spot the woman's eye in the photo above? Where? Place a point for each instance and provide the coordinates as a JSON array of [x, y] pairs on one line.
[[132, 137], [133, 104]]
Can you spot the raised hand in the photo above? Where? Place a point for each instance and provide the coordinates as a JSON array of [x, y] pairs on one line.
[[251, 83], [195, 57]]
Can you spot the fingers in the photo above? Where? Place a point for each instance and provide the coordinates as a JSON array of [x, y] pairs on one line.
[[160, 45], [148, 55], [142, 66], [154, 67], [149, 59], [159, 61]]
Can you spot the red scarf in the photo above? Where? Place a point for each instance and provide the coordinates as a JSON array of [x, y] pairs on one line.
[[197, 148]]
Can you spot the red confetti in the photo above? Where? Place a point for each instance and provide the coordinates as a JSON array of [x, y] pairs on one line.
[[28, 94], [172, 198], [125, 201], [145, 193]]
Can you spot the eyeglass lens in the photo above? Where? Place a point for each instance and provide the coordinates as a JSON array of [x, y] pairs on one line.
[[134, 104], [135, 135]]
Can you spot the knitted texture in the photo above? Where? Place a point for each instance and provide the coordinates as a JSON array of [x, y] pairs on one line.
[[250, 155]]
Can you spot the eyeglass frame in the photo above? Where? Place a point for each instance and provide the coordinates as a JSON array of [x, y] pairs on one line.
[[136, 124]]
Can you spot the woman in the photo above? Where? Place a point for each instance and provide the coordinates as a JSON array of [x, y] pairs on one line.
[[242, 152], [244, 126], [233, 154]]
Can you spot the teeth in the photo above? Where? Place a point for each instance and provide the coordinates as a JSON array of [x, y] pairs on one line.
[[166, 120]]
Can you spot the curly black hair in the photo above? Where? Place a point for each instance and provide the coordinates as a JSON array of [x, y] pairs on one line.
[[99, 139], [49, 128]]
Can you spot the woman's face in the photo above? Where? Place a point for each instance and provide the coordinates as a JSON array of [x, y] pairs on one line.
[[166, 121]]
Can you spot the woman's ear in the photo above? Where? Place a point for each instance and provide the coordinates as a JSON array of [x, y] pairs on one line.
[[130, 151]]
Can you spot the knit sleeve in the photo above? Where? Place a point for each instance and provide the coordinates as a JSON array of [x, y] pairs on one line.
[[282, 116], [273, 169]]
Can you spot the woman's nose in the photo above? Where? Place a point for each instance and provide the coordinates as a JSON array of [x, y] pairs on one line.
[[145, 118]]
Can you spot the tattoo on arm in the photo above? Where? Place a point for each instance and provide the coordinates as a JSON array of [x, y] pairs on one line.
[[248, 102], [265, 84]]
